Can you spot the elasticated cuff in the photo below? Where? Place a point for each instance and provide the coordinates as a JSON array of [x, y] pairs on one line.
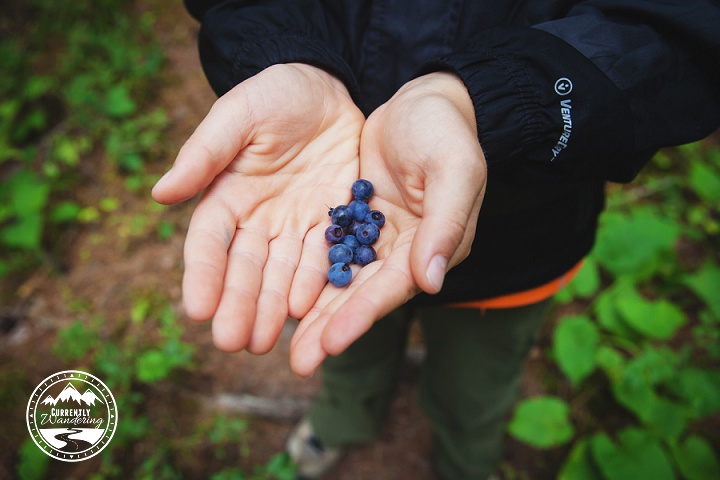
[[542, 106]]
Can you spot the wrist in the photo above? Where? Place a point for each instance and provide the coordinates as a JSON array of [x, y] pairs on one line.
[[322, 76], [450, 87]]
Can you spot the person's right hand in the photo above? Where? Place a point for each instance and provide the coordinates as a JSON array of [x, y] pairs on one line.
[[271, 154], [421, 151]]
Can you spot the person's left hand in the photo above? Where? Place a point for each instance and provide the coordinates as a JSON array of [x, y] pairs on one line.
[[421, 152]]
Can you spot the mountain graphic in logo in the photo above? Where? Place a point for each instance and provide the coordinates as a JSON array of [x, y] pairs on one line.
[[70, 393]]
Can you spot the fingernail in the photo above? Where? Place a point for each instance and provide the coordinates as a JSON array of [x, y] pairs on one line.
[[436, 271], [164, 177]]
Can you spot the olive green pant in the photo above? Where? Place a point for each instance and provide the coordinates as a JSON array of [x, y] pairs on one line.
[[470, 380]]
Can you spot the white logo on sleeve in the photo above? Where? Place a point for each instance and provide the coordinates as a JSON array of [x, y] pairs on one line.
[[563, 86]]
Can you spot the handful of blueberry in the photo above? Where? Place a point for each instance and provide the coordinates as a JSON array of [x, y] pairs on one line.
[[355, 228]]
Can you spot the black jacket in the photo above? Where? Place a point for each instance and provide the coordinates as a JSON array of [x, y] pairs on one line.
[[567, 95]]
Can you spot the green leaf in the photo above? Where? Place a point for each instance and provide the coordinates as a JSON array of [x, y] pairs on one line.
[[25, 232], [696, 459], [636, 389], [655, 319], [165, 230], [587, 281], [575, 345], [118, 102], [37, 86], [280, 467], [632, 244], [605, 308], [109, 204], [33, 463], [542, 422], [705, 182], [28, 193], [75, 341], [131, 162], [585, 284], [66, 151], [152, 366], [611, 362], [579, 464], [65, 212], [636, 455], [113, 361], [700, 389], [233, 473], [140, 310], [705, 283], [178, 353]]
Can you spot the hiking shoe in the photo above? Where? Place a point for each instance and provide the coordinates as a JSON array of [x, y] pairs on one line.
[[311, 457]]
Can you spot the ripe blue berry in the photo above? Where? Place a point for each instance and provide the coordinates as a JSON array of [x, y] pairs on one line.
[[334, 234], [359, 209], [351, 241], [341, 215], [340, 253], [367, 233], [376, 217], [355, 228], [364, 254], [352, 228], [340, 274], [362, 190]]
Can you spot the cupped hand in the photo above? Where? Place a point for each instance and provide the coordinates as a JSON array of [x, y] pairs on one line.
[[270, 155], [421, 152]]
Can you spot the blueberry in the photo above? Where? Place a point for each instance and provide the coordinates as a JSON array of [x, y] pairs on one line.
[[340, 274], [364, 254], [350, 230], [351, 241], [341, 215], [334, 234], [362, 190], [376, 217], [359, 209], [340, 253], [367, 233]]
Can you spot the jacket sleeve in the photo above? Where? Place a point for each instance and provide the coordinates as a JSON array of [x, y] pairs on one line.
[[239, 38], [594, 93]]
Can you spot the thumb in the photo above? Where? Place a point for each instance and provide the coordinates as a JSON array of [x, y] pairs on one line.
[[215, 143], [451, 203]]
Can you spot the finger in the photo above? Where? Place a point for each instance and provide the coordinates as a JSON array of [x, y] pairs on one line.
[[330, 328], [215, 143], [234, 320], [272, 304], [451, 204], [306, 351], [311, 274], [209, 235], [376, 294], [307, 354]]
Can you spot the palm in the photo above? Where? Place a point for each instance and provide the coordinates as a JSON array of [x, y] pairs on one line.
[[255, 251]]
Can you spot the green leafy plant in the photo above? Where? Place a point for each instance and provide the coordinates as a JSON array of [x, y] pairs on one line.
[[74, 87], [641, 360], [127, 360]]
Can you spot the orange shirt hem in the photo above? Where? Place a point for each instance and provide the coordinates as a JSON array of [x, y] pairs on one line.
[[526, 297]]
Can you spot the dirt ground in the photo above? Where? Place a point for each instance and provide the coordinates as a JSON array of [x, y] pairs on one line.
[[105, 268]]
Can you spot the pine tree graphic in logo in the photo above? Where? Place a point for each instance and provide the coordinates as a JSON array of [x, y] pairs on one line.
[[69, 425]]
